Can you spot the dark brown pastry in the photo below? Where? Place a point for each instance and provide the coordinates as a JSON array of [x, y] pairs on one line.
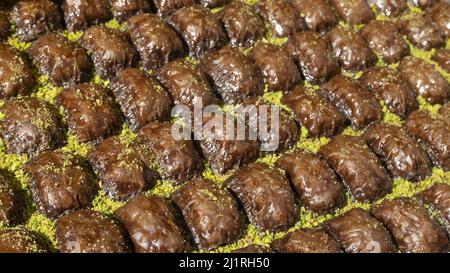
[[167, 7], [199, 28], [58, 183], [30, 126], [385, 40], [225, 154], [306, 241], [265, 195], [390, 8], [421, 3], [314, 54], [4, 25], [16, 78], [35, 18], [358, 232], [210, 4], [281, 16], [359, 168], [233, 75], [276, 66], [421, 32], [350, 49], [11, 203], [90, 111], [442, 57], [401, 154], [444, 111], [186, 84], [314, 181], [313, 112], [210, 212], [318, 14], [20, 240], [253, 249], [434, 133], [425, 80], [438, 196], [81, 14], [439, 13], [156, 42], [64, 62], [411, 226], [353, 100], [124, 9], [243, 26], [353, 12], [151, 225], [88, 231], [178, 159], [124, 168], [141, 98], [388, 86], [110, 50]]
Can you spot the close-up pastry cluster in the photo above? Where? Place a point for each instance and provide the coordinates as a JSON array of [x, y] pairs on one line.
[[88, 162]]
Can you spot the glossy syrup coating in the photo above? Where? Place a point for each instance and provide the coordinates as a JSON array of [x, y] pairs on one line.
[[4, 25], [141, 98], [385, 40], [124, 168], [30, 126], [353, 12], [265, 195], [401, 154], [151, 225], [199, 28], [438, 196], [421, 32], [110, 49], [442, 57], [232, 75], [411, 226], [210, 4], [421, 3], [314, 54], [59, 183], [306, 241], [177, 159], [434, 133], [390, 8], [318, 14], [357, 231], [167, 7], [439, 13], [424, 79], [242, 24], [276, 66], [186, 83], [253, 249], [11, 202], [210, 212], [314, 181], [16, 78], [124, 9], [156, 42], [359, 168], [353, 100], [20, 240], [222, 153], [35, 18], [281, 16], [90, 111], [313, 112], [80, 14], [88, 231], [350, 49], [64, 62], [389, 86]]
